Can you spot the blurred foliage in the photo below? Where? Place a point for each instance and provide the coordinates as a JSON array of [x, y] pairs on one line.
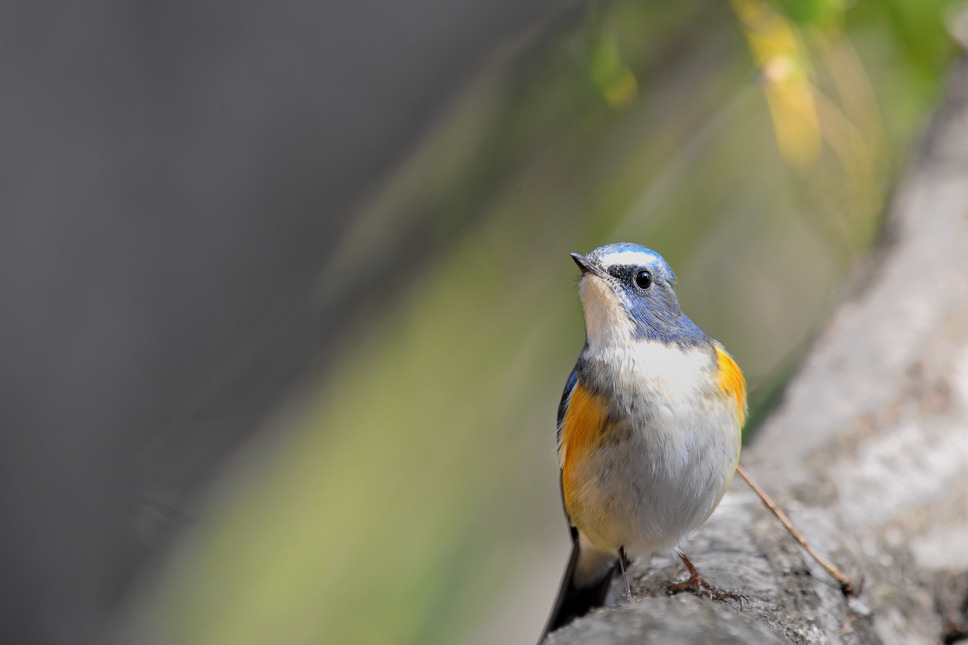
[[409, 495]]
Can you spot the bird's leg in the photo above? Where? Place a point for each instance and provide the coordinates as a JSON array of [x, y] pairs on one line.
[[700, 587], [623, 562]]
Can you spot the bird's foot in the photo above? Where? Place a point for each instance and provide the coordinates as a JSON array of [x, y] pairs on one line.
[[698, 585]]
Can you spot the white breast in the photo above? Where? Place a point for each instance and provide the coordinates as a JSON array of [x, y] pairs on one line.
[[672, 451], [663, 370]]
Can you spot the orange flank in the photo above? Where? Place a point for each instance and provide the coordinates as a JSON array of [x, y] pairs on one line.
[[581, 430], [731, 381]]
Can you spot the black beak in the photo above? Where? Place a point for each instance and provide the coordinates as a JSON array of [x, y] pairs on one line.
[[586, 265]]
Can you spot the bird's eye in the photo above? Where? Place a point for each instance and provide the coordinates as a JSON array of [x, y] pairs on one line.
[[643, 279]]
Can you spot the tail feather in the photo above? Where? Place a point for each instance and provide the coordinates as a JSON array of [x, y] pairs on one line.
[[575, 601]]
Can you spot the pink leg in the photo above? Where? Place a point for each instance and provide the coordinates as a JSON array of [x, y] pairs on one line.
[[623, 563], [697, 585]]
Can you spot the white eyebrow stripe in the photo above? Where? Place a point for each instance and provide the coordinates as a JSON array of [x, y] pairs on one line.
[[627, 257]]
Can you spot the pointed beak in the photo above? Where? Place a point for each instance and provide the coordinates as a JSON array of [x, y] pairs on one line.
[[586, 265]]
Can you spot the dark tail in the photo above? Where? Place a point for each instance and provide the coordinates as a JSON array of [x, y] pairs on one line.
[[574, 601]]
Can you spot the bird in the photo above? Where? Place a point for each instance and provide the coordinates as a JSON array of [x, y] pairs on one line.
[[649, 428]]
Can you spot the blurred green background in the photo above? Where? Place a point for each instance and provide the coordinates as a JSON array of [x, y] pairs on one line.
[[408, 493]]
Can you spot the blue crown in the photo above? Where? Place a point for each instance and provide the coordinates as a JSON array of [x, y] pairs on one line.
[[632, 254]]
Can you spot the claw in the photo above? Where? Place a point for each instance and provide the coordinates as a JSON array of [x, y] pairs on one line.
[[698, 585]]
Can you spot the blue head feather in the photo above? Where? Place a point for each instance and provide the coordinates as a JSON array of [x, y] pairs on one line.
[[655, 310]]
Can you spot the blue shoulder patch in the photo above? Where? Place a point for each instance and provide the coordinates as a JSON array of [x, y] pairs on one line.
[[563, 405]]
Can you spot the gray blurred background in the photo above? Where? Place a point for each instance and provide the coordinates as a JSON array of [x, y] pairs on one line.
[[172, 179], [336, 235]]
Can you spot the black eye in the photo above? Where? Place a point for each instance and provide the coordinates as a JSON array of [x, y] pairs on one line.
[[643, 279]]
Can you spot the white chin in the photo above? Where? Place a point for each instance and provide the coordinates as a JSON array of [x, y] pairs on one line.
[[606, 321]]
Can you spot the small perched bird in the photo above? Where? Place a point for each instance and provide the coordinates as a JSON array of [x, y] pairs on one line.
[[649, 426]]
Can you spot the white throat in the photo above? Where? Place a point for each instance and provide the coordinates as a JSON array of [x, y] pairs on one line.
[[606, 322]]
